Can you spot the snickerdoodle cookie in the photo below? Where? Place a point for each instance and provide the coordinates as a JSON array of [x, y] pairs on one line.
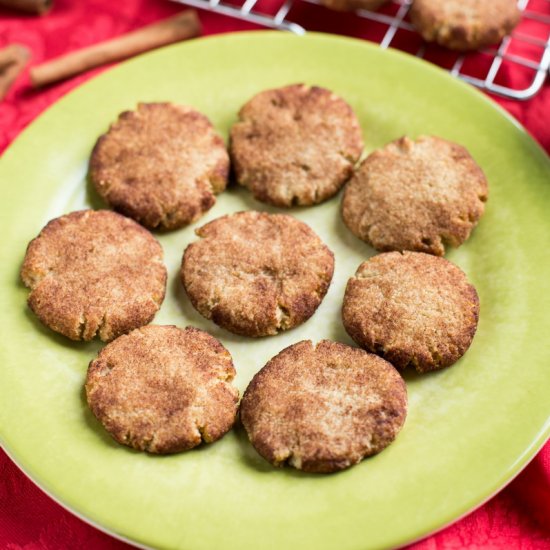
[[415, 195], [255, 273], [323, 408], [161, 164], [348, 5], [295, 145], [94, 273], [413, 309], [465, 24], [162, 389]]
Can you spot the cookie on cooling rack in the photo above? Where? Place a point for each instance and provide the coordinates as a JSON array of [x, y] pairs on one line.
[[161, 164], [465, 24], [323, 408], [412, 309], [162, 389], [94, 273], [295, 145], [415, 195], [257, 274]]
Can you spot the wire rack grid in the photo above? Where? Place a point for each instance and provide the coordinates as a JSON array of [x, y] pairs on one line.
[[526, 52]]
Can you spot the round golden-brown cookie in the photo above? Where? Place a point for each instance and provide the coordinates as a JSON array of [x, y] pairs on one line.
[[349, 5], [162, 389], [161, 165], [413, 309], [415, 195], [256, 274], [94, 273], [465, 24], [295, 145], [323, 408]]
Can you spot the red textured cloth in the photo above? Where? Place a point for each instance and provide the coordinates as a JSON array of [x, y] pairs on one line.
[[518, 517]]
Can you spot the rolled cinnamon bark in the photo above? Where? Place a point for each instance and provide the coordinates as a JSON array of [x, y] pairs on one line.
[[13, 59], [31, 6], [13, 53], [182, 26]]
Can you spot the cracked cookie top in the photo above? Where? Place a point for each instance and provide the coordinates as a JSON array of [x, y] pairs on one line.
[[413, 309], [162, 389], [295, 145], [94, 273], [161, 165], [323, 408], [415, 195], [257, 274]]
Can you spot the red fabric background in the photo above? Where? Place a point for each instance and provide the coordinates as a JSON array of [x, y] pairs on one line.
[[518, 517]]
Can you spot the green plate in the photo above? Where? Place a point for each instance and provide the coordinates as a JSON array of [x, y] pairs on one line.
[[470, 428]]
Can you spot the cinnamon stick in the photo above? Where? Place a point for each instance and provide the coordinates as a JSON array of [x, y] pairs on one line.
[[13, 59], [182, 26], [13, 53], [31, 6]]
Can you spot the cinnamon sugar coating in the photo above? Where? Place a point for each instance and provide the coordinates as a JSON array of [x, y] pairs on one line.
[[412, 309], [415, 195], [161, 165], [256, 274], [94, 273], [162, 389], [323, 408], [465, 24], [295, 145]]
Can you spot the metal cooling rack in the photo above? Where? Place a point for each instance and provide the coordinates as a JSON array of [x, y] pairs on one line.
[[522, 50]]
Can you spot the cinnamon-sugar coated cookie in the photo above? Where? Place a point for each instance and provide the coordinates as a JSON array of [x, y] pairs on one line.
[[295, 145], [415, 195], [161, 164], [256, 274], [162, 389], [413, 309], [94, 273], [465, 24], [323, 408]]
